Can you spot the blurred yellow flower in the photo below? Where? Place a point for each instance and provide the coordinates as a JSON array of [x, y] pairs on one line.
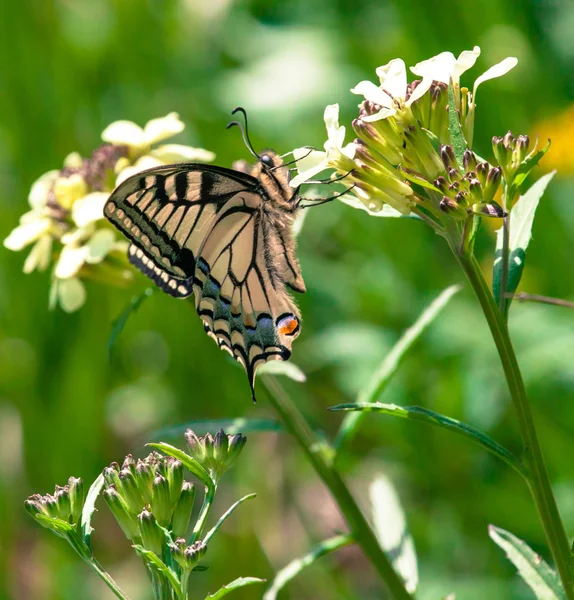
[[560, 129]]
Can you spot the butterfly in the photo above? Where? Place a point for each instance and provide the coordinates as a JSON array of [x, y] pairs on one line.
[[225, 236]]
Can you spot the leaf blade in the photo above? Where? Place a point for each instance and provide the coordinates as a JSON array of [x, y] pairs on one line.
[[154, 561], [290, 571], [225, 516], [234, 585], [535, 571], [417, 413], [89, 508], [392, 361]]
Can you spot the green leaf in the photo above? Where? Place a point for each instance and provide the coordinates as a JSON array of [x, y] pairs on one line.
[[119, 323], [416, 413], [521, 219], [188, 462], [153, 561], [58, 526], [286, 368], [289, 572], [390, 364], [535, 571], [232, 426], [417, 178], [524, 170], [227, 514], [457, 140], [390, 527], [234, 585], [90, 507]]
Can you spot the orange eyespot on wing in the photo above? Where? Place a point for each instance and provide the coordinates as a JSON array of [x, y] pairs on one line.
[[288, 325]]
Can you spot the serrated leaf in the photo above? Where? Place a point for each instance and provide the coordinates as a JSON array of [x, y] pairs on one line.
[[231, 426], [289, 572], [234, 585], [90, 507], [285, 368], [521, 219], [457, 140], [119, 323], [416, 413], [524, 169], [390, 527], [535, 571], [188, 462], [154, 562], [227, 514], [390, 364]]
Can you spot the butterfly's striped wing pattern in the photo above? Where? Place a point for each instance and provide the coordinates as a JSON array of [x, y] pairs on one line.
[[204, 230]]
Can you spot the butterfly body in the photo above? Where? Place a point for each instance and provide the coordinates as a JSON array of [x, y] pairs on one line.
[[224, 236]]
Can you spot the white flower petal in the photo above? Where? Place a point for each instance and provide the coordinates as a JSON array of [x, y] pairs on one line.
[[393, 77], [74, 160], [437, 68], [373, 93], [174, 153], [384, 113], [496, 70], [71, 294], [39, 256], [160, 129], [145, 162], [69, 189], [421, 89], [464, 62], [303, 176], [25, 234], [40, 189], [70, 261], [124, 133], [100, 244], [75, 237], [89, 208]]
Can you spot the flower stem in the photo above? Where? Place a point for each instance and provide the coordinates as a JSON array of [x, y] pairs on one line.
[[537, 475], [203, 514], [106, 577], [319, 455]]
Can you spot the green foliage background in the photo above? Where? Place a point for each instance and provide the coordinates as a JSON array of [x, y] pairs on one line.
[[70, 67]]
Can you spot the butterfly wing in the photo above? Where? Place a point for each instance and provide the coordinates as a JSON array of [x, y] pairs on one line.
[[200, 229]]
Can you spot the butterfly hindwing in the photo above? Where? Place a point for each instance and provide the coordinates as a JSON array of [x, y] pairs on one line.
[[202, 229]]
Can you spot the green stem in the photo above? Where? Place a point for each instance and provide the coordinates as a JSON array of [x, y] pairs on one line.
[[503, 300], [320, 458], [539, 481], [204, 513], [107, 578]]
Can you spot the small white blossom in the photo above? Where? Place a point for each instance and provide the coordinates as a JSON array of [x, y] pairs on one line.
[[90, 208], [391, 95], [127, 133], [335, 155]]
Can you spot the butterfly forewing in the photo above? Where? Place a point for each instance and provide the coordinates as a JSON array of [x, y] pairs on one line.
[[206, 230]]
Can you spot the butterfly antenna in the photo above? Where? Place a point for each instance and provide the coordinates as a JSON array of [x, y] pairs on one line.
[[244, 131]]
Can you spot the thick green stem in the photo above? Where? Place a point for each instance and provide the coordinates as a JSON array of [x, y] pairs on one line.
[[539, 481], [203, 514], [320, 458]]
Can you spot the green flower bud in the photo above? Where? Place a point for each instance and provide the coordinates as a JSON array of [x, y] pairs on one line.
[[130, 491], [183, 509], [469, 160], [117, 505], [76, 487], [160, 500], [475, 191], [441, 183], [451, 207], [193, 554], [129, 463], [177, 549], [34, 506], [501, 150], [62, 496], [50, 505], [521, 149], [153, 537], [492, 210], [195, 446], [175, 480], [482, 169], [235, 447], [492, 184], [220, 446], [144, 480], [111, 475]]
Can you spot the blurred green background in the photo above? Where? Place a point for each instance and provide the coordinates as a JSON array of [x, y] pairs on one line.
[[70, 67]]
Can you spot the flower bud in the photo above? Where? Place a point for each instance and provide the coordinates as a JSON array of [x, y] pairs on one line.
[[50, 505], [62, 496], [76, 487], [500, 150], [175, 480], [493, 210], [509, 141], [144, 480], [193, 554], [195, 446], [451, 207], [475, 191], [220, 446], [482, 169], [119, 509], [129, 463], [130, 492], [153, 537], [177, 549], [160, 500], [492, 184], [448, 157], [469, 160], [441, 183], [183, 509], [34, 506], [235, 447], [111, 475], [521, 150]]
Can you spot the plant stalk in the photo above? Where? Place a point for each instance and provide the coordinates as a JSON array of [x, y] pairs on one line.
[[106, 577], [320, 458], [537, 474]]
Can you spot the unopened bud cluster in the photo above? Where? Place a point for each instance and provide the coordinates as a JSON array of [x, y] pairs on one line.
[[186, 556], [468, 188], [215, 453], [65, 503], [147, 495], [510, 152]]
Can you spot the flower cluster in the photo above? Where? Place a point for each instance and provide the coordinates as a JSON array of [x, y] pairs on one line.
[[403, 156], [66, 222], [65, 504], [215, 453]]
